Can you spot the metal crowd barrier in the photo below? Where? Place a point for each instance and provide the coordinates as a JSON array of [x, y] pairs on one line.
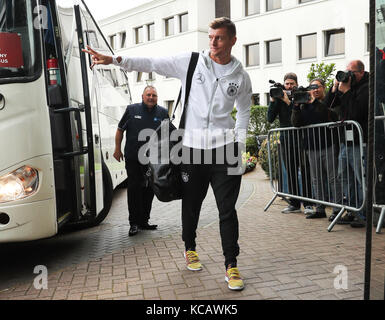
[[321, 164], [380, 121]]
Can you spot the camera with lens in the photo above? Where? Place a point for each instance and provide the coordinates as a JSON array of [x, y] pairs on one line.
[[297, 95], [302, 95], [344, 76], [277, 90]]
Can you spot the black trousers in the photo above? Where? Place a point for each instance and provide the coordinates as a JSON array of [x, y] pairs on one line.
[[196, 180], [139, 193]]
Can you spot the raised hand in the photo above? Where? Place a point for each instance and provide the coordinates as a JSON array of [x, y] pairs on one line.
[[345, 86], [97, 58]]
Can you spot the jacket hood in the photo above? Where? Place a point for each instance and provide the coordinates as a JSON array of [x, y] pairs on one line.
[[208, 62]]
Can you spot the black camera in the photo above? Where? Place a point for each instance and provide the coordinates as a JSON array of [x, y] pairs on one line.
[[344, 76], [276, 90], [297, 95], [302, 95]]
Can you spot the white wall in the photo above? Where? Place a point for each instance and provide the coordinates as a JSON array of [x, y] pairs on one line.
[[294, 20], [200, 13], [287, 23]]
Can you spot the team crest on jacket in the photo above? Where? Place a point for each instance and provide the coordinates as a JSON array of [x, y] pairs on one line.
[[185, 177], [233, 89], [200, 78]]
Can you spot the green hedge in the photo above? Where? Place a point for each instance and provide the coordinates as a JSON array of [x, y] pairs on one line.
[[263, 156], [258, 126]]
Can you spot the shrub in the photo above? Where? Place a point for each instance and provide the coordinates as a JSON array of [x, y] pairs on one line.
[[252, 146], [258, 126], [263, 155], [250, 162], [323, 71], [258, 121]]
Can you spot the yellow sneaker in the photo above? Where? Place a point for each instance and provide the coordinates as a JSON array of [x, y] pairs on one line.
[[234, 279], [192, 261]]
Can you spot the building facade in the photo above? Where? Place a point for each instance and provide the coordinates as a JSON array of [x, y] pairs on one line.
[[274, 37]]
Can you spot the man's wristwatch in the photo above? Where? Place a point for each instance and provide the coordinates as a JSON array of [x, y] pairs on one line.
[[116, 59]]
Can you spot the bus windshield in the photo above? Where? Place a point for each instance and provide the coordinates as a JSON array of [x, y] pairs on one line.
[[18, 30]]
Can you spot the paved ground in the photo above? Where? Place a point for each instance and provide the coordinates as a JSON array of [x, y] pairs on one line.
[[283, 256]]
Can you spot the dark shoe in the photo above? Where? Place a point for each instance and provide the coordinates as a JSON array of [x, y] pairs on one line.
[[308, 210], [133, 230], [291, 209], [346, 219], [358, 223], [147, 226], [333, 216], [316, 215]]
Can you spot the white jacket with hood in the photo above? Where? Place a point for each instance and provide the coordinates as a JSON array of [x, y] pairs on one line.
[[209, 123]]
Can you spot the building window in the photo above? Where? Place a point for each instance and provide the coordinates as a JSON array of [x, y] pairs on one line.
[[123, 38], [93, 39], [273, 5], [252, 55], [334, 42], [151, 32], [169, 27], [267, 98], [183, 22], [139, 76], [252, 7], [255, 99], [112, 41], [139, 35], [274, 51], [307, 46], [222, 8]]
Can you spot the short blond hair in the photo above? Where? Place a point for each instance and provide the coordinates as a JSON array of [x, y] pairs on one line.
[[224, 22]]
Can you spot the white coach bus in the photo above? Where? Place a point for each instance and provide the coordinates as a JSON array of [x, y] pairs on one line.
[[58, 119]]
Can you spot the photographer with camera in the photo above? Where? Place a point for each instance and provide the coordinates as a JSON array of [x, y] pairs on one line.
[[320, 149], [281, 106], [349, 96]]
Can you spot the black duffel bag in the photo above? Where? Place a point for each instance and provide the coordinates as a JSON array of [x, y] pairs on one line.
[[164, 175]]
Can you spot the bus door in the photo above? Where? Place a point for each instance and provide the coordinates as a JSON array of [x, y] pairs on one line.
[[82, 91], [102, 95], [110, 95]]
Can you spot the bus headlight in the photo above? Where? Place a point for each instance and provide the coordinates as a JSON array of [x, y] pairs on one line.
[[19, 184]]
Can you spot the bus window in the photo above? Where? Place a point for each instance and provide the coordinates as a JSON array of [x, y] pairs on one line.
[[93, 39], [19, 56], [107, 73]]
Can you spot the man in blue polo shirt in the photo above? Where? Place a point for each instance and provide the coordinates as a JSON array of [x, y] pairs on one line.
[[140, 116]]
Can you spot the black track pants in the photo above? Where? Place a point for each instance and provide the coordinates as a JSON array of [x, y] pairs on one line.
[[197, 178]]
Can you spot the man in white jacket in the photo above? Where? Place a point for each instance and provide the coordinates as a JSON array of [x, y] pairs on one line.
[[219, 83]]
